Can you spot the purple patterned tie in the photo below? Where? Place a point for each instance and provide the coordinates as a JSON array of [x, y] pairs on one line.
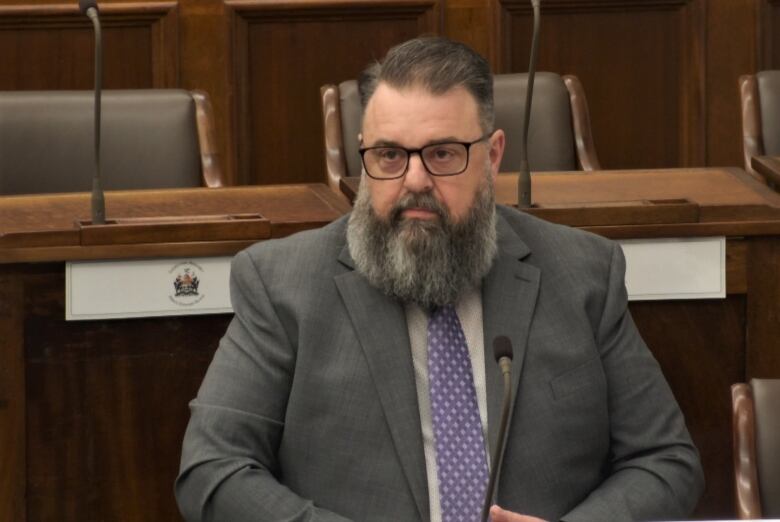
[[457, 429]]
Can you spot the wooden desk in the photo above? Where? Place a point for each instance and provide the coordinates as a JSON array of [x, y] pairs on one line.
[[92, 413], [769, 167], [703, 346]]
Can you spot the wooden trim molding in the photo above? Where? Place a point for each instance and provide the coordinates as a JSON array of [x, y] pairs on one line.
[[289, 10], [160, 17], [584, 6]]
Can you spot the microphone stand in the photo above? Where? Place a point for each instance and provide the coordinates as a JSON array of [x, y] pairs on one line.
[[524, 179], [98, 202], [502, 350]]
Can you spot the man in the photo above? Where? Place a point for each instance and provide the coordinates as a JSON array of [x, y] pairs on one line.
[[356, 380]]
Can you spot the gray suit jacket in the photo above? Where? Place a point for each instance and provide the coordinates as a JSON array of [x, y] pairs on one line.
[[309, 408]]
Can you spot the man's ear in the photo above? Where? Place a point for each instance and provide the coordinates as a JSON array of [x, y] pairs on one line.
[[497, 144]]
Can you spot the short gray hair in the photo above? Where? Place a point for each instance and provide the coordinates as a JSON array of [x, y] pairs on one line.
[[437, 64]]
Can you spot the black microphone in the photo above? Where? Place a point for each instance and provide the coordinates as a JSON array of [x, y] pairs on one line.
[[524, 179], [502, 351], [90, 8]]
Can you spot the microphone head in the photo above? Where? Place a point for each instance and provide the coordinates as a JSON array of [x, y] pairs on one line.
[[502, 347], [86, 4]]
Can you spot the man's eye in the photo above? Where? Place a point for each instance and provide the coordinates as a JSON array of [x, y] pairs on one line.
[[441, 153], [389, 154]]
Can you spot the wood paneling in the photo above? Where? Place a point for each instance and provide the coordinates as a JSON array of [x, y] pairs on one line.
[[769, 33], [763, 356], [13, 474], [732, 50], [707, 356], [283, 53], [106, 402], [46, 47], [638, 62], [660, 75]]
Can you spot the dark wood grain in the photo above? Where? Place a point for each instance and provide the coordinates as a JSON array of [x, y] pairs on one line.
[[700, 346], [13, 443], [284, 52], [50, 47], [644, 116], [763, 308], [660, 75], [732, 28], [106, 405]]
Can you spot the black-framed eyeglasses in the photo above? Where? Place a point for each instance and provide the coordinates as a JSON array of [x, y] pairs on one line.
[[439, 159]]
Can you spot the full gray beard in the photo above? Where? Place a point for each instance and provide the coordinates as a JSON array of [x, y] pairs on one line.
[[425, 262]]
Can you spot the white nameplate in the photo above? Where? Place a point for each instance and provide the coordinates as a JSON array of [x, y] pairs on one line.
[[147, 288], [684, 268]]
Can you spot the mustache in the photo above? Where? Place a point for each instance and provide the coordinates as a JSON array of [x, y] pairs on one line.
[[424, 201]]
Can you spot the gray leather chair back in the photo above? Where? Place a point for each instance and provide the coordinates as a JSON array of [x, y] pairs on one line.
[[769, 100], [766, 398], [149, 139], [550, 134]]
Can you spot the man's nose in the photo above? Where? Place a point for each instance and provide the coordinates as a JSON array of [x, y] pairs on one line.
[[417, 178]]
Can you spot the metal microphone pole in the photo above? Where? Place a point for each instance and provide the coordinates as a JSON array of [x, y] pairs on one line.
[[98, 201], [524, 179]]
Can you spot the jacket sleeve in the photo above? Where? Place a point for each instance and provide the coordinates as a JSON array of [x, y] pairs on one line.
[[654, 469], [229, 468]]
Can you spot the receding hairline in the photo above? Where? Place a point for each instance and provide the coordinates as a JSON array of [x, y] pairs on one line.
[[422, 86]]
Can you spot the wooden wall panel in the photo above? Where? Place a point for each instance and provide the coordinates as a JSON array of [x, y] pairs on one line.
[[13, 447], [711, 347], [51, 46], [106, 404], [284, 54], [638, 62], [660, 75], [732, 50], [205, 65], [769, 33]]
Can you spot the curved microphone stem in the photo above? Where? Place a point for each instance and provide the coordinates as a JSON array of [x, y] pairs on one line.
[[506, 371], [524, 179], [98, 202]]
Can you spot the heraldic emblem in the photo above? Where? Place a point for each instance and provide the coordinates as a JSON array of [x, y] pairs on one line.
[[186, 283]]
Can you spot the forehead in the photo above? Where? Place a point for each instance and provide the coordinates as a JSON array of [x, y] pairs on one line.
[[412, 115]]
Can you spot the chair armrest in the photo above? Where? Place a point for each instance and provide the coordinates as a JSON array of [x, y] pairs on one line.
[[335, 162], [752, 141], [209, 154], [748, 500], [583, 137]]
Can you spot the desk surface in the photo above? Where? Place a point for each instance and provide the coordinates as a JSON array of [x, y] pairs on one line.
[[646, 203], [153, 223]]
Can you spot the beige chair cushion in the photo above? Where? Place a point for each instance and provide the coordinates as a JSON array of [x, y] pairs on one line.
[[550, 135], [148, 140], [769, 99]]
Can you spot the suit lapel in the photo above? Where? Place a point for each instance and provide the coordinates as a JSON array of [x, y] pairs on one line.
[[380, 324], [509, 294]]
